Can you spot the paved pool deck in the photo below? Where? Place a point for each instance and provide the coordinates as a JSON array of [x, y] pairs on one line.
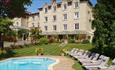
[[64, 63]]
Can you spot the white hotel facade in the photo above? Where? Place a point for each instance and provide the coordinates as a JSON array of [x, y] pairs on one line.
[[63, 20]]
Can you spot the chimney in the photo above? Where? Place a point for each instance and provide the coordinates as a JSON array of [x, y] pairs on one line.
[[53, 1]]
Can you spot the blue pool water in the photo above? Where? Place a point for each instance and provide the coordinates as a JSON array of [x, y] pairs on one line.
[[26, 64]]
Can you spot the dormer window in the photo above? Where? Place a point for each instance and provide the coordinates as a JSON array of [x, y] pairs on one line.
[[33, 17], [54, 8], [46, 10]]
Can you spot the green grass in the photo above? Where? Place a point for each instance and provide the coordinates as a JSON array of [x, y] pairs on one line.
[[50, 49], [77, 66], [79, 46]]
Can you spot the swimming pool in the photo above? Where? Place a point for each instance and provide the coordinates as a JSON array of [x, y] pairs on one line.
[[27, 64]]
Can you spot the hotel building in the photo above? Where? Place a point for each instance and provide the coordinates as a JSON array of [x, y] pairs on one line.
[[27, 22], [66, 19]]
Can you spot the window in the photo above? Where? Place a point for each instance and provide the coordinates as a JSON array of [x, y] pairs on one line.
[[65, 6], [54, 8], [77, 26], [76, 15], [33, 17], [46, 10], [88, 12], [33, 25], [46, 28], [65, 16], [17, 24], [70, 3], [65, 26], [54, 18], [90, 20], [76, 4], [46, 19], [54, 27]]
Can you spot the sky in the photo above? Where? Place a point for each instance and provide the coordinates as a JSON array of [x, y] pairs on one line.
[[39, 3]]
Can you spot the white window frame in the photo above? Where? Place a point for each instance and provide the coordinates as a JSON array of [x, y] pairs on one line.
[[65, 16], [64, 6], [76, 4], [46, 19], [33, 24], [46, 28], [46, 10], [54, 8], [54, 27], [54, 18], [65, 26], [76, 26], [76, 15]]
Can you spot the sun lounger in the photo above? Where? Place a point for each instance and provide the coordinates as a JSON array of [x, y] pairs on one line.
[[97, 62], [74, 52], [79, 53], [92, 58], [101, 65]]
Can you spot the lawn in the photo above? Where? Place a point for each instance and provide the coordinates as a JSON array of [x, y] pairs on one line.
[[52, 49]]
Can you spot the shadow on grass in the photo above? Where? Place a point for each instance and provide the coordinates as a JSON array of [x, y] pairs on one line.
[[7, 53]]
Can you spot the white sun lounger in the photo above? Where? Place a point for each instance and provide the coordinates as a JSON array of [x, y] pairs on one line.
[[79, 53], [74, 52], [85, 55], [92, 58], [101, 65], [97, 62]]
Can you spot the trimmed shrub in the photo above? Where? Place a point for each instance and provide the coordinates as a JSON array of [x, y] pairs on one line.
[[71, 40], [85, 41], [43, 41]]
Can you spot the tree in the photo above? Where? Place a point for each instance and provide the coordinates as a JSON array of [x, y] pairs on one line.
[[23, 33], [10, 9], [104, 22], [13, 8], [35, 34], [4, 25]]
